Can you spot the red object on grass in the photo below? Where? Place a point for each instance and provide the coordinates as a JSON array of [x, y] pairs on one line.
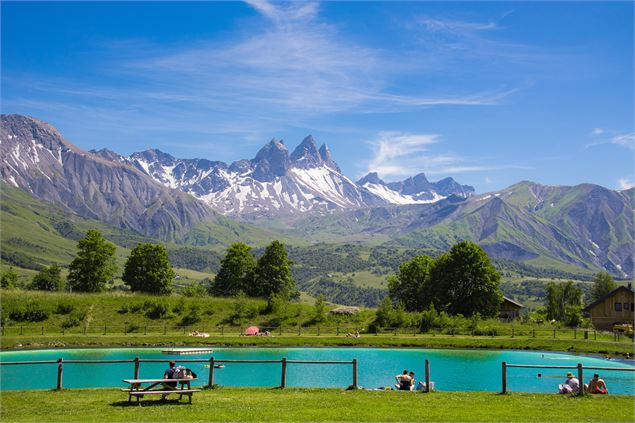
[[252, 330]]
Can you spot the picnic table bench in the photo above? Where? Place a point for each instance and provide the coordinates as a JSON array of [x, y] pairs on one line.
[[136, 389]]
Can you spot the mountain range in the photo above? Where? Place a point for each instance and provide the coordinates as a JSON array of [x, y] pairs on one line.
[[303, 195]]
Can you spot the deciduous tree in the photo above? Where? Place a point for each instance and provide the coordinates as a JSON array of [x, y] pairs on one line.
[[236, 271], [94, 264], [464, 281], [48, 279], [149, 270], [273, 273], [411, 284]]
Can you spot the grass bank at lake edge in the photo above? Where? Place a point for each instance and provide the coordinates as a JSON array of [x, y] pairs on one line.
[[385, 341], [304, 405]]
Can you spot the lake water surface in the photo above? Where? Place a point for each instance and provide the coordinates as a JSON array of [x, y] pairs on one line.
[[451, 370]]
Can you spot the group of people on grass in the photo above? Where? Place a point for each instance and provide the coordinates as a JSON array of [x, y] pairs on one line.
[[405, 381], [572, 385]]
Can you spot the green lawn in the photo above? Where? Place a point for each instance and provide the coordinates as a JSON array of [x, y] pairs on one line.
[[304, 405]]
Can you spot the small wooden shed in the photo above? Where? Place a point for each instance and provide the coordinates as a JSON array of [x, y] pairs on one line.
[[510, 309], [614, 307]]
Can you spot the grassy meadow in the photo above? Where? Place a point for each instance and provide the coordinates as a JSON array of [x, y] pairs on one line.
[[308, 405], [120, 318]]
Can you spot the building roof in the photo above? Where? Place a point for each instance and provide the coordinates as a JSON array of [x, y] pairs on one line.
[[513, 302], [607, 296]]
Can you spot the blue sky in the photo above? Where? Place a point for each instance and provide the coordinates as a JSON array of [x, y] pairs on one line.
[[489, 93]]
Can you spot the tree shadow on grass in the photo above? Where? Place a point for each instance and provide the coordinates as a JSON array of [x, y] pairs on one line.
[[149, 403]]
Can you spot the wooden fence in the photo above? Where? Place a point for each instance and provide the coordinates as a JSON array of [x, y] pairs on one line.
[[222, 330], [579, 368], [212, 362]]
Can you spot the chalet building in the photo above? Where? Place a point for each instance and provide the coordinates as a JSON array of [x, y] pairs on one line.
[[614, 307], [510, 309]]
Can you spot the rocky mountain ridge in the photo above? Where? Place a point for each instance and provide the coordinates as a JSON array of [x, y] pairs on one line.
[[276, 183]]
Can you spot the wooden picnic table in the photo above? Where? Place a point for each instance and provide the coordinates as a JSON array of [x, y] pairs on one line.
[[136, 389]]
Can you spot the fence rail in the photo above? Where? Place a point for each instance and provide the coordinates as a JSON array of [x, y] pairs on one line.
[[579, 367], [298, 330], [212, 362]]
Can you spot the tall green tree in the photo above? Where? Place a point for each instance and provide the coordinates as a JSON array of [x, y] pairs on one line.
[[273, 273], [464, 281], [94, 265], [603, 283], [48, 279], [564, 302], [236, 272], [149, 270], [411, 284], [319, 310], [9, 278]]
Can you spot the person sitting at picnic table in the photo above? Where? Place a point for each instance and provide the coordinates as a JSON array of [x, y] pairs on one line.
[[403, 381], [597, 385], [571, 385], [169, 374]]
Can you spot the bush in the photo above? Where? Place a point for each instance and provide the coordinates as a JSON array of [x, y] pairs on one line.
[[70, 322], [179, 307], [33, 312], [132, 328], [192, 317], [194, 290], [64, 308], [155, 310]]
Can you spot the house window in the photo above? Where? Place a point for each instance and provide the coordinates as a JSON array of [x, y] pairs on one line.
[[626, 306], [618, 306]]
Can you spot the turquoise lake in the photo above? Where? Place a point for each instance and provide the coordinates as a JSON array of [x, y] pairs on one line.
[[451, 370]]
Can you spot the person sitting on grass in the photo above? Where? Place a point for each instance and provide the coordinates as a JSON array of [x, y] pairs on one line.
[[570, 386], [597, 385], [403, 381], [412, 380]]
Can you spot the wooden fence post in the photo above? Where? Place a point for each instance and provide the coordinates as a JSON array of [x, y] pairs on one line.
[[504, 390], [283, 381], [318, 328], [512, 331], [575, 334], [534, 332], [42, 330], [84, 329], [354, 373], [338, 330], [145, 330], [427, 375], [136, 368], [580, 379], [165, 329], [414, 331], [184, 327], [554, 333], [105, 329], [299, 330], [60, 366], [21, 330], [210, 380], [222, 330], [280, 330], [595, 335]]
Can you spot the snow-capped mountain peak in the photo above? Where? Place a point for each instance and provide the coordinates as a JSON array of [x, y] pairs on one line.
[[275, 182]]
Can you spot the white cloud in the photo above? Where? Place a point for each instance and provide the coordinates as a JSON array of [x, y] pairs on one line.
[[597, 131], [624, 140], [625, 183], [397, 154]]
